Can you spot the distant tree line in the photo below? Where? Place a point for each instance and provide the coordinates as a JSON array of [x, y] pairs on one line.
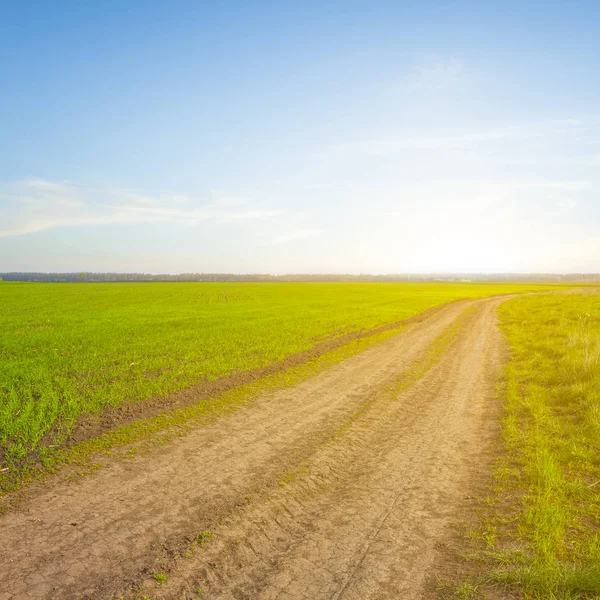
[[84, 277]]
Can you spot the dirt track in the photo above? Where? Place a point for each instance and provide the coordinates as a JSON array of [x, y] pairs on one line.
[[377, 455]]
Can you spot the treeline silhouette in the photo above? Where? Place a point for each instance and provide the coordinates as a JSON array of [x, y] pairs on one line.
[[84, 277]]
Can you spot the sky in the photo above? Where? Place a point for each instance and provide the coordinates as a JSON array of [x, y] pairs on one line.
[[300, 137]]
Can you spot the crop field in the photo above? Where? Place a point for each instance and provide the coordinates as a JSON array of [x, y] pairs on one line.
[[69, 350], [541, 531]]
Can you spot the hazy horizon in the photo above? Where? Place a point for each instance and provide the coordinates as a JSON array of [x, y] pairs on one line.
[[331, 276], [444, 137]]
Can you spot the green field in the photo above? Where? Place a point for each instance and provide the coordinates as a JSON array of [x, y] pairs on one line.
[[73, 349], [541, 530]]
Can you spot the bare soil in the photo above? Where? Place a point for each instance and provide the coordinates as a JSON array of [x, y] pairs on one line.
[[347, 485]]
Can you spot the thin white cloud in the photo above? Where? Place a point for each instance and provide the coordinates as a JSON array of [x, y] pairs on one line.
[[35, 205], [454, 191], [460, 140], [416, 142]]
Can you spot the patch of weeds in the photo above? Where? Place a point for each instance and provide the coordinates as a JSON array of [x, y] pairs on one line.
[[288, 477], [467, 590], [203, 537], [160, 578]]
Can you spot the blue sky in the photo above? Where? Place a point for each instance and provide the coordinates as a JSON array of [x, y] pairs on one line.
[[378, 137]]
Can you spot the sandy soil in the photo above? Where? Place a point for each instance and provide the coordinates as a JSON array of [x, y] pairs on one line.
[[375, 481]]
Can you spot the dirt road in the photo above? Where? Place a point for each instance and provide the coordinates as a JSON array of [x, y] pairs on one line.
[[343, 486]]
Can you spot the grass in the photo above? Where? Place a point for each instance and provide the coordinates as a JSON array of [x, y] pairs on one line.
[[72, 349], [544, 519]]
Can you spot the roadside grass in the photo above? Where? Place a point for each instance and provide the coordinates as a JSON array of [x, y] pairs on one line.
[[539, 532], [68, 350]]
